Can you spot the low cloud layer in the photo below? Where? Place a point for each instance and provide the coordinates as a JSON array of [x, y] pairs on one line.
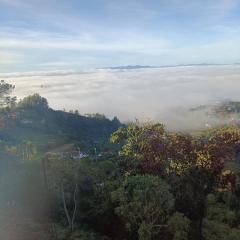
[[158, 94]]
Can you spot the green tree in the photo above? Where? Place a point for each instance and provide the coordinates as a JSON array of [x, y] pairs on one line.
[[145, 204], [191, 189], [63, 176], [5, 91], [34, 101], [179, 226], [221, 221]]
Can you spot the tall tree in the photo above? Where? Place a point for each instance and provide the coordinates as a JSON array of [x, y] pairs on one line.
[[5, 92], [144, 203]]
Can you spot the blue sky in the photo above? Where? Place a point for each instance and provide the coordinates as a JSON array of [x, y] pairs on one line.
[[46, 35]]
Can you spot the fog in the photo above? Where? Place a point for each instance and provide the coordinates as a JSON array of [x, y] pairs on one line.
[[155, 94]]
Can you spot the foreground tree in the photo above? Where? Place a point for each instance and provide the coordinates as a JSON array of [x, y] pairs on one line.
[[63, 177], [145, 204], [195, 166]]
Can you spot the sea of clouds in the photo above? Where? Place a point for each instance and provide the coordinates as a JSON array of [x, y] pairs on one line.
[[152, 94]]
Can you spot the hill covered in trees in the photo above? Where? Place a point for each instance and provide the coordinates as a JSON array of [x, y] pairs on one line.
[[220, 109], [31, 119]]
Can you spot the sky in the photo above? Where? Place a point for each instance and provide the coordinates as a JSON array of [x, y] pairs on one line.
[[72, 35]]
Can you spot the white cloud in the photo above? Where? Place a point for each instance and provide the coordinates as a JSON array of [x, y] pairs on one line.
[[162, 51], [141, 46], [162, 94], [8, 57]]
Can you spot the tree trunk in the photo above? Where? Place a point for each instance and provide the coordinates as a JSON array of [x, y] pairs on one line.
[[200, 229], [65, 206], [75, 205], [45, 174]]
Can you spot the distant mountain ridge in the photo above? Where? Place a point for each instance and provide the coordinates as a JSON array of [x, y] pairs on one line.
[[130, 67]]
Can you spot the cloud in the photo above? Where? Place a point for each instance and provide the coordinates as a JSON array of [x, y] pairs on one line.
[[47, 50], [161, 94], [64, 43], [8, 57], [40, 74]]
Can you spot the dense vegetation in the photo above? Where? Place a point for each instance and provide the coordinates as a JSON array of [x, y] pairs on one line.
[[147, 184], [31, 119]]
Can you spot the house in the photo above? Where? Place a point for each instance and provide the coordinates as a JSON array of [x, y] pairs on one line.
[[55, 154], [26, 121], [77, 154]]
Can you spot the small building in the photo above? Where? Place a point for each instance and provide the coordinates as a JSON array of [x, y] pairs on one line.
[[77, 154], [26, 121]]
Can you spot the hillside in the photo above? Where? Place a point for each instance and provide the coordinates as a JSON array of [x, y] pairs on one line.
[[220, 108], [32, 120]]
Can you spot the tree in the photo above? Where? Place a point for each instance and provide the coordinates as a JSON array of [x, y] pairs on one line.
[[63, 176], [5, 91], [190, 190], [5, 100], [195, 166], [145, 144], [34, 101], [222, 221], [97, 179], [179, 226], [145, 204], [29, 151]]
